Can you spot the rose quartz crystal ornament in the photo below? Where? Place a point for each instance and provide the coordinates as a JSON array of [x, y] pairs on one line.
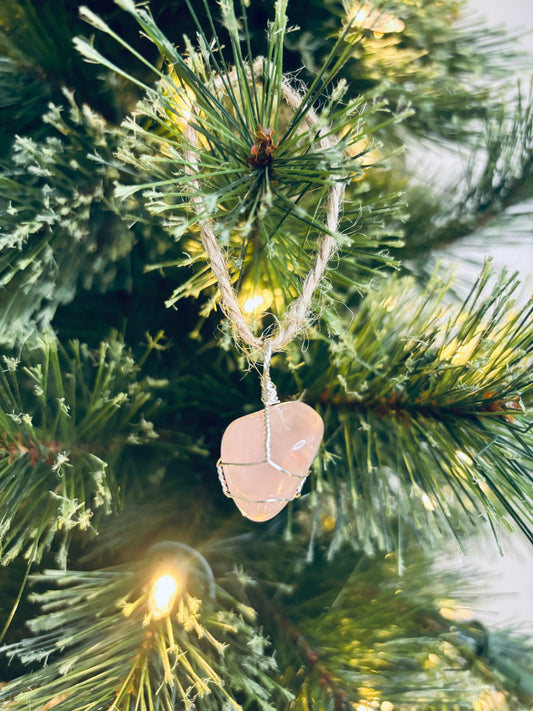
[[265, 457]]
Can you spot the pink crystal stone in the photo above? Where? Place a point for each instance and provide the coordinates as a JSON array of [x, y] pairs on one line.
[[259, 489]]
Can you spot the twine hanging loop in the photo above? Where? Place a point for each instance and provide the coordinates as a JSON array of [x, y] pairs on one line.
[[296, 315]]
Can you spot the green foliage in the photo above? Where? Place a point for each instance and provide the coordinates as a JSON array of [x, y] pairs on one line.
[[117, 149], [30, 58], [38, 61], [66, 416], [58, 228], [24, 97], [207, 654], [386, 640], [425, 406], [361, 635], [497, 176], [242, 145], [420, 53]]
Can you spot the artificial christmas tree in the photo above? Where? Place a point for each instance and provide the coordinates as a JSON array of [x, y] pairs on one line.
[[208, 216]]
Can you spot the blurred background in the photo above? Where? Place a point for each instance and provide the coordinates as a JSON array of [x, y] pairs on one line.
[[509, 576]]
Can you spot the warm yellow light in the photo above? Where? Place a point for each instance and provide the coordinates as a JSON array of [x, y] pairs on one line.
[[162, 596], [380, 22], [389, 303], [464, 457], [456, 614], [432, 661], [386, 706], [461, 353], [253, 303], [256, 300], [429, 502], [184, 100], [490, 700]]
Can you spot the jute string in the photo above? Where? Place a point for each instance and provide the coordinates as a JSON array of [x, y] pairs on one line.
[[295, 318]]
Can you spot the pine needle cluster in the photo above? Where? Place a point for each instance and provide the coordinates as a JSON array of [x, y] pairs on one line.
[[125, 130]]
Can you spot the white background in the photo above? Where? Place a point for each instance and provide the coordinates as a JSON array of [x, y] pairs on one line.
[[512, 13], [508, 597]]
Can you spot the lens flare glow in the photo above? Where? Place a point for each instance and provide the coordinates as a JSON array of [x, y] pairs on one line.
[[369, 18], [253, 303], [163, 596]]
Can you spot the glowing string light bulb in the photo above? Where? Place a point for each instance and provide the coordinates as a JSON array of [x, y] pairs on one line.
[[163, 596], [368, 18], [175, 568], [253, 303]]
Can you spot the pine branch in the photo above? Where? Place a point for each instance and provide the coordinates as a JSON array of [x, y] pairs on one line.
[[66, 417], [504, 233], [105, 645], [31, 65], [58, 226], [426, 415], [425, 405], [497, 176], [433, 57], [389, 640], [23, 98], [262, 172], [39, 62]]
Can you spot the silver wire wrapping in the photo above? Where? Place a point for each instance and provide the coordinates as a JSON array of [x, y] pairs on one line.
[[269, 394], [269, 397]]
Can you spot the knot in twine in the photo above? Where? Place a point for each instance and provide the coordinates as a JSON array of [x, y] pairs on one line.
[[295, 318]]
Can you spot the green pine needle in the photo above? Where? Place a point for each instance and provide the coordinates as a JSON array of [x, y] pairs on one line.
[[390, 641], [66, 416], [498, 175], [104, 647], [262, 174], [426, 409], [59, 227]]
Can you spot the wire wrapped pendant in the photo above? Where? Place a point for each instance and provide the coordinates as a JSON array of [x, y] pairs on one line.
[[265, 456]]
